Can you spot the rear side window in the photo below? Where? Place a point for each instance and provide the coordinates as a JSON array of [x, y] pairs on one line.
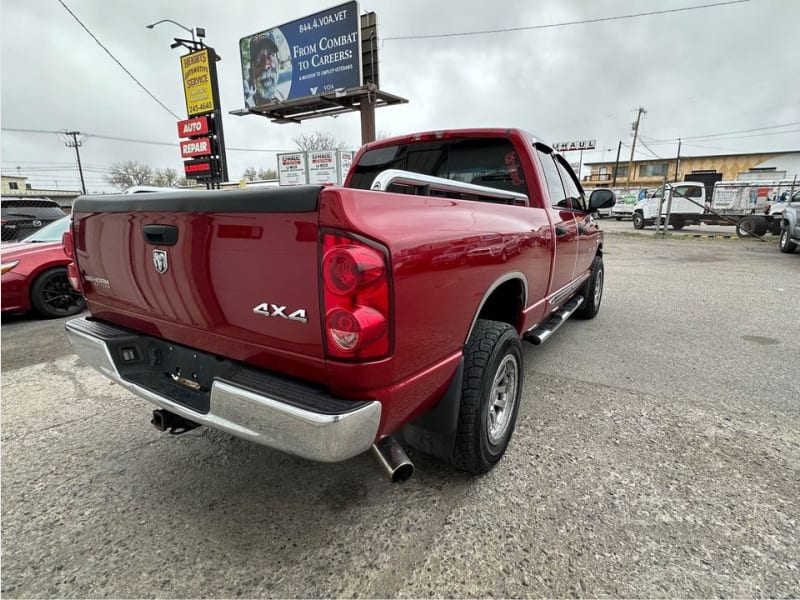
[[554, 186], [491, 162]]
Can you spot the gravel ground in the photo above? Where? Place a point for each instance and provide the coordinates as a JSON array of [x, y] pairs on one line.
[[657, 455]]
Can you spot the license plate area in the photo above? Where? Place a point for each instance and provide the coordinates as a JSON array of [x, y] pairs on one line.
[[183, 375]]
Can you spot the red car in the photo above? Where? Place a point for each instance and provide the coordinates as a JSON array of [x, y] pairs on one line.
[[34, 274]]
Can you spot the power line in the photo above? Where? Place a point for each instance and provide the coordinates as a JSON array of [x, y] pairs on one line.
[[564, 24], [727, 133], [138, 141], [114, 58]]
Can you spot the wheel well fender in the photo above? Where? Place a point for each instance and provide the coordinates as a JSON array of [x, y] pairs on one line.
[[503, 301]]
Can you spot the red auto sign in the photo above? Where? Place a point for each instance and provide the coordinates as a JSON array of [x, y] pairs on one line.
[[192, 127], [196, 147]]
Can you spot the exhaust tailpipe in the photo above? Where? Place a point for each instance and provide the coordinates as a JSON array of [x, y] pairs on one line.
[[393, 459]]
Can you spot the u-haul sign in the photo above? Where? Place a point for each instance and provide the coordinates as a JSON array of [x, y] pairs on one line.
[[196, 147], [193, 127]]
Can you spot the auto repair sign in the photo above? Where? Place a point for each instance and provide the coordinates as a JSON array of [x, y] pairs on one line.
[[196, 147]]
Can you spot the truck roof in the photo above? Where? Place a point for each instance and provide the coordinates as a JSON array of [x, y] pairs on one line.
[[457, 133]]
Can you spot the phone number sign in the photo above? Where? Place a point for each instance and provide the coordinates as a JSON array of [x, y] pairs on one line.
[[197, 87], [314, 55]]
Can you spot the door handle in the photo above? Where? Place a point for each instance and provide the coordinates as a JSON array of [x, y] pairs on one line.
[[161, 235]]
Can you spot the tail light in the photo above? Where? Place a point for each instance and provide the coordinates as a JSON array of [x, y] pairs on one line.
[[68, 245], [356, 298]]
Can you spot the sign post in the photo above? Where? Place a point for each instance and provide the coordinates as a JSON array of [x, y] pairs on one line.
[[206, 145]]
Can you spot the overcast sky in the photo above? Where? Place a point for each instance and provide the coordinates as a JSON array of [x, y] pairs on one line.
[[701, 72]]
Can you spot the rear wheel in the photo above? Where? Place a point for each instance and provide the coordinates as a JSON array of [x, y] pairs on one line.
[[745, 227], [786, 244], [678, 224], [490, 396], [638, 221], [52, 296], [592, 291]]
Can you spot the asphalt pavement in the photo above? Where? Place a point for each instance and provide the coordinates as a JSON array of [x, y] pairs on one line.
[[657, 454]]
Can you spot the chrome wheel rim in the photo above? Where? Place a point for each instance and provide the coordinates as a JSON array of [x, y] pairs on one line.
[[598, 287], [502, 399]]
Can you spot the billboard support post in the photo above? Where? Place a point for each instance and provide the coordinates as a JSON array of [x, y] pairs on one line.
[[367, 109]]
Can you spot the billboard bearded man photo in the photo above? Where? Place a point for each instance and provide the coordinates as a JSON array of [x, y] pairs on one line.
[[264, 66]]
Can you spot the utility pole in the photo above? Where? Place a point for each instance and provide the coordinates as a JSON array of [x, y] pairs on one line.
[[616, 164], [678, 161], [639, 114], [70, 138]]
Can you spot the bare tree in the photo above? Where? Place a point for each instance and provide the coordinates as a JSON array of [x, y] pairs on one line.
[[165, 177], [128, 173], [264, 174], [319, 140], [250, 174]]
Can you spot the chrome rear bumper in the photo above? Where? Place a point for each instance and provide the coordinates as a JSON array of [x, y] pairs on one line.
[[247, 412]]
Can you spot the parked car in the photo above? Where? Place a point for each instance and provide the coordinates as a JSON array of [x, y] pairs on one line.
[[23, 216], [34, 274]]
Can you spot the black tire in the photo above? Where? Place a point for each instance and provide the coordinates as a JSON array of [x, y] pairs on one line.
[[638, 221], [592, 291], [785, 243], [775, 227], [52, 296], [487, 415], [760, 226], [678, 224], [745, 227]]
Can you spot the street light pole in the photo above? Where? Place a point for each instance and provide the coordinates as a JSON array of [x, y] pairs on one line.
[[191, 31], [70, 138]]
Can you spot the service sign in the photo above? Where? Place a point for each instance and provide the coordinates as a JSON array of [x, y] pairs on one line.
[[292, 169], [197, 169], [193, 127], [322, 167], [576, 145], [197, 88], [307, 57], [196, 147]]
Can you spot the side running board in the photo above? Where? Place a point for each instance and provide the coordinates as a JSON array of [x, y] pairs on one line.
[[542, 334]]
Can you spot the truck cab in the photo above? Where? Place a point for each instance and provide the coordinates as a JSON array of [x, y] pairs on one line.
[[684, 199]]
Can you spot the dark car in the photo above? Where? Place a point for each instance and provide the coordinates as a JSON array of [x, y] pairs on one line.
[[23, 216], [34, 274]]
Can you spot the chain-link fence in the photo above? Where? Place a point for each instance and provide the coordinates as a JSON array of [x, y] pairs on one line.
[[22, 217]]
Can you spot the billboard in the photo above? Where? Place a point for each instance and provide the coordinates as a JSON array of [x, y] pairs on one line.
[[196, 68], [292, 169], [314, 55]]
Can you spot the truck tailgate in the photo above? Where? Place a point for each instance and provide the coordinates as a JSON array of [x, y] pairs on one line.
[[232, 273]]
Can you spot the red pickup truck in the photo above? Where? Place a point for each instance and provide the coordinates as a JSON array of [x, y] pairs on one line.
[[323, 321]]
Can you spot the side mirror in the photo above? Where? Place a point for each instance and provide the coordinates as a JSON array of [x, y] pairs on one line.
[[601, 198]]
